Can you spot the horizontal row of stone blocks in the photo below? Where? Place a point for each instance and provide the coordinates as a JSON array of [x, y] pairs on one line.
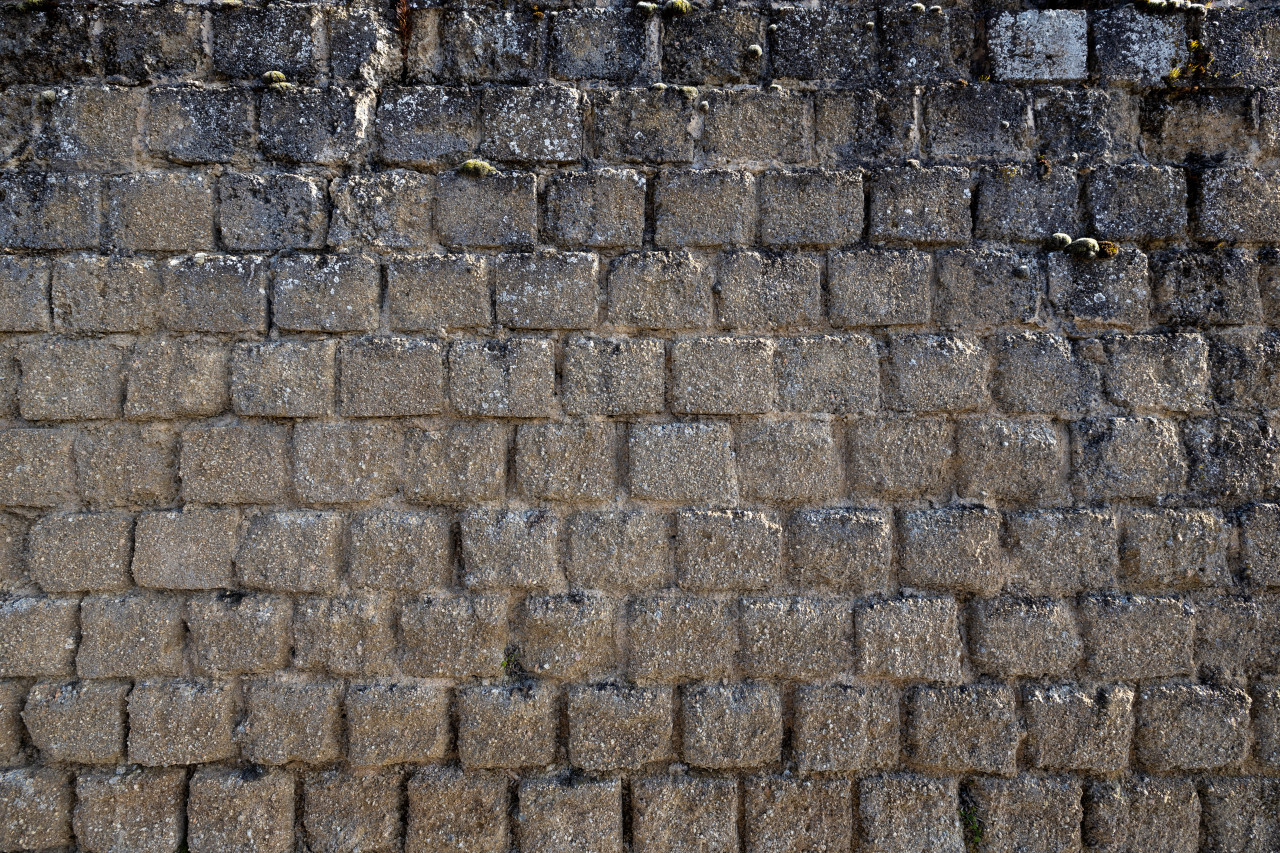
[[966, 549], [479, 43], [161, 211], [122, 129], [670, 636], [233, 810], [701, 462], [841, 728]]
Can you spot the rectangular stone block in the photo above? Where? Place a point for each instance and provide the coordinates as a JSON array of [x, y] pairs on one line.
[[727, 549], [1019, 204], [511, 377], [602, 44], [450, 808], [36, 467], [1073, 728], [759, 291], [1191, 727], [732, 726], [709, 46], [920, 206], [81, 722], [35, 808], [234, 464], [1020, 637], [837, 374], [497, 211], [784, 811], [1142, 813], [454, 636], [937, 373], [137, 811], [705, 207], [682, 462], [904, 812], [1173, 549], [325, 293], [285, 39], [390, 210], [675, 637], [568, 635], [1028, 812], [1040, 46], [547, 290], [909, 638], [509, 548], [1138, 202], [1040, 372], [759, 124], [24, 293], [660, 290], [400, 551], [130, 635], [562, 817], [236, 632], [174, 378], [437, 292], [840, 549], [566, 462], [215, 293], [1012, 459], [460, 463], [953, 549], [270, 213], [50, 211], [599, 209], [288, 719], [1111, 293], [346, 463], [1060, 552], [899, 456], [619, 728], [854, 126], [795, 637], [972, 728], [339, 806], [309, 125], [349, 636], [240, 811], [161, 211], [643, 125], [986, 288], [81, 552], [507, 726], [291, 551], [424, 126], [391, 377], [1134, 636], [71, 380], [845, 727], [189, 124], [99, 295], [823, 44], [181, 722], [283, 379], [978, 120], [613, 376], [1216, 288], [722, 375], [673, 813], [792, 460], [618, 551], [1126, 457], [394, 722]]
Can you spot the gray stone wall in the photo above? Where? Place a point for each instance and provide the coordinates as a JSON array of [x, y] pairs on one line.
[[606, 429]]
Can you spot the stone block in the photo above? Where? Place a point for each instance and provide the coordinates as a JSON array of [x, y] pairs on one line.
[[272, 212], [89, 128], [1074, 728], [909, 638], [1093, 122], [234, 464], [1137, 47], [1137, 202], [35, 808], [219, 293], [400, 551], [1142, 813], [732, 726], [81, 552], [643, 125], [547, 290], [24, 293], [65, 379], [732, 549], [249, 42], [390, 210], [437, 292], [175, 378], [235, 810], [793, 637], [598, 209], [161, 211], [937, 373], [345, 463], [342, 810], [1040, 46], [423, 126], [50, 211], [290, 720], [672, 813], [391, 377], [133, 811], [486, 44], [845, 727], [181, 722], [36, 467], [613, 375], [598, 44], [1260, 544], [1012, 459], [459, 463], [705, 207], [977, 121], [100, 295], [839, 374], [909, 813], [452, 809], [130, 635], [986, 288], [309, 125], [682, 462], [898, 456], [618, 551], [823, 44], [954, 548], [759, 291], [722, 375], [1061, 551], [283, 379], [659, 290], [1126, 457], [577, 817], [676, 637], [1021, 637], [507, 726], [507, 378], [1173, 549], [570, 461], [454, 636], [762, 124], [619, 728], [709, 46], [1100, 294], [784, 813], [1212, 288], [538, 124], [1235, 813], [1028, 812], [325, 293], [841, 549], [348, 636], [1237, 204], [972, 728], [1134, 636], [793, 460], [922, 206], [395, 722], [863, 125], [509, 548], [80, 722], [1243, 37], [193, 124], [1190, 727], [291, 551], [1040, 372], [1018, 204], [568, 636], [818, 208], [236, 632]]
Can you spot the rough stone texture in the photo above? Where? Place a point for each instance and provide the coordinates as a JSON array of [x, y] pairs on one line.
[[727, 460]]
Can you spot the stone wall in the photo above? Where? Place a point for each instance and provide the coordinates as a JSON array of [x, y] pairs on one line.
[[654, 429]]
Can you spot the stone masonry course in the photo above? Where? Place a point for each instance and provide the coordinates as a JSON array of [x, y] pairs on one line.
[[685, 427]]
